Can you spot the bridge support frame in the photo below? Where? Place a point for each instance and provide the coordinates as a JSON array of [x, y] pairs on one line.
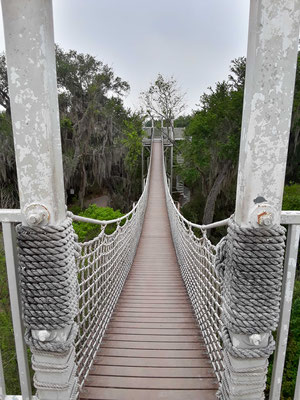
[[268, 100], [31, 65]]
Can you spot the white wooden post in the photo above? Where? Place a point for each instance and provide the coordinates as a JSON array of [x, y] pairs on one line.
[[143, 167], [30, 52], [152, 128], [268, 98], [171, 155]]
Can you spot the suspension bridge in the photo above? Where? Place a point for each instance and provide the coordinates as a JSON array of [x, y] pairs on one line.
[[153, 347], [153, 310]]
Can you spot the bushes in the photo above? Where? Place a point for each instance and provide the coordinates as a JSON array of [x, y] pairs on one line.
[[87, 231], [291, 197]]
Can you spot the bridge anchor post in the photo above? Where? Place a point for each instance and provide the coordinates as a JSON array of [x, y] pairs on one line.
[[30, 54], [268, 99]]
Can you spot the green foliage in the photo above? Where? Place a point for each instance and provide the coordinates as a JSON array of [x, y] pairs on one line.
[[293, 166], [182, 121], [8, 176], [192, 210], [211, 146], [87, 231], [213, 134], [93, 117], [66, 127], [133, 143], [92, 120], [291, 197]]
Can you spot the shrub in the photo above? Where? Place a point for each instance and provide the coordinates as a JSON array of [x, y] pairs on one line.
[[87, 231]]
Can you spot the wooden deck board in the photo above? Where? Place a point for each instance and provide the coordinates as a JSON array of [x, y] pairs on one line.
[[153, 348], [153, 362], [93, 393]]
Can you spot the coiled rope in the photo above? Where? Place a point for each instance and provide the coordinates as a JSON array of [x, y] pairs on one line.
[[48, 281], [249, 262]]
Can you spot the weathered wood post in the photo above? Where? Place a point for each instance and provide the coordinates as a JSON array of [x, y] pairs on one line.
[[268, 98], [30, 52]]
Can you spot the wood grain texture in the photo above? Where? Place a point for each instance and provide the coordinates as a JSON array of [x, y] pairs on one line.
[[153, 348]]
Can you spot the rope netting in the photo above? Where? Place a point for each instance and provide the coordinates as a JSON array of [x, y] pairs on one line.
[[103, 265], [233, 287], [196, 257]]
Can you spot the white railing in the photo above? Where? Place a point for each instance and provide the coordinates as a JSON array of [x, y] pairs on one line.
[[103, 266], [196, 257], [9, 218]]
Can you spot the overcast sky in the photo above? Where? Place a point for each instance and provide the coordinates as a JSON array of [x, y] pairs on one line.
[[193, 40]]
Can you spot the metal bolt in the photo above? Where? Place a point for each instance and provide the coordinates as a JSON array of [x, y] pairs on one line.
[[35, 219], [255, 339], [265, 218], [36, 214]]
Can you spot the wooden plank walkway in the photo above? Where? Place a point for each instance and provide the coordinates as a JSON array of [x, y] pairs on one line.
[[153, 348]]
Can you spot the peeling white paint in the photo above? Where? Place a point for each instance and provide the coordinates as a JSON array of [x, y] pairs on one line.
[[270, 77], [42, 41], [14, 77], [33, 90], [22, 152]]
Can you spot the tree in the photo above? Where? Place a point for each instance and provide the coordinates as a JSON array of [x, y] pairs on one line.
[[133, 136], [92, 118], [164, 100], [293, 163], [211, 146], [8, 174], [4, 96]]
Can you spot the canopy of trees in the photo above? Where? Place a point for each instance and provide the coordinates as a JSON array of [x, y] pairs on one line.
[[211, 147], [93, 124]]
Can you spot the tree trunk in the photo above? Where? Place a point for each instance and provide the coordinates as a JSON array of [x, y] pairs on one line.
[[210, 204], [82, 184]]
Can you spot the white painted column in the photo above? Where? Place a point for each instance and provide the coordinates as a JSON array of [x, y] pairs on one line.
[[29, 39], [268, 98], [30, 52]]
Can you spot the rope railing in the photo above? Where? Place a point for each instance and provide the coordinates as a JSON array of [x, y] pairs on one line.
[[103, 265], [196, 257]]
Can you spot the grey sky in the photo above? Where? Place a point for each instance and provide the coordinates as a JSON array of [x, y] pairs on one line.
[[194, 40]]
